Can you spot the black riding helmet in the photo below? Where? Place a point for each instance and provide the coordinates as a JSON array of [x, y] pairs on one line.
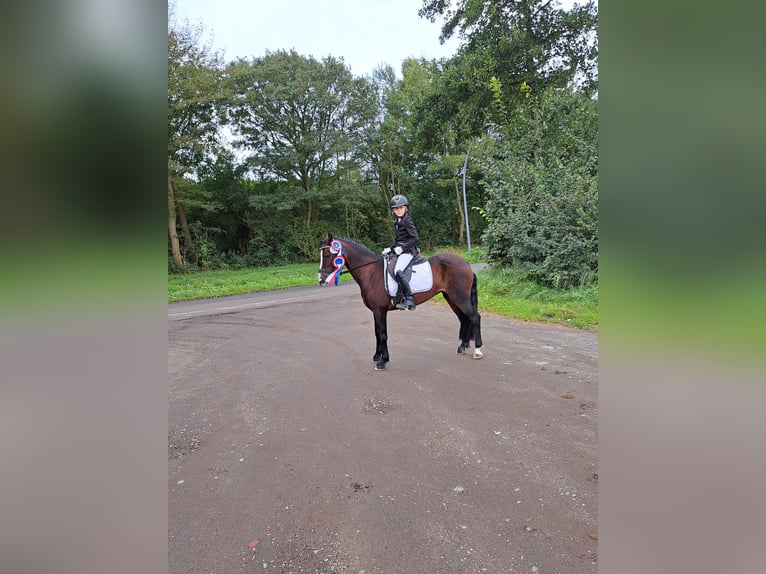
[[399, 200]]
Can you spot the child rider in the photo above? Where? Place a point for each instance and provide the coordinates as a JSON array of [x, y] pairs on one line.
[[405, 246]]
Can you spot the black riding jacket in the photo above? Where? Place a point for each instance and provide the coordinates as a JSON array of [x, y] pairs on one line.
[[406, 234]]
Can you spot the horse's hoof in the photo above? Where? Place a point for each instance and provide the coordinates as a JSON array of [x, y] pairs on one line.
[[477, 354], [380, 365], [460, 350]]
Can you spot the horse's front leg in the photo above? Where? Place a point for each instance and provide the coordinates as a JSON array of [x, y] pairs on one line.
[[380, 358]]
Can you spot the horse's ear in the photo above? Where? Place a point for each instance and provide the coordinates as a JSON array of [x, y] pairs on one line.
[[329, 237]]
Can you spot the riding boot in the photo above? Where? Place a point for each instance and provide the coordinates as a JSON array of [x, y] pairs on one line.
[[404, 285]]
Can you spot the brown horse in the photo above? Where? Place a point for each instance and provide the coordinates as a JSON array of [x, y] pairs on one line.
[[452, 277]]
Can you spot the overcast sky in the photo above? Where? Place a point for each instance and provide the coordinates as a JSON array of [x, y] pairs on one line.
[[365, 33]]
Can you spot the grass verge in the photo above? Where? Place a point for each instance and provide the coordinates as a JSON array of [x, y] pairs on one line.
[[507, 293], [221, 283]]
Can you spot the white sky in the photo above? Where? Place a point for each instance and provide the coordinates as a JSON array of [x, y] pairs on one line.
[[365, 33]]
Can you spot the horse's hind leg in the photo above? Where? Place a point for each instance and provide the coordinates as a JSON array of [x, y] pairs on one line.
[[465, 326], [468, 308], [476, 324]]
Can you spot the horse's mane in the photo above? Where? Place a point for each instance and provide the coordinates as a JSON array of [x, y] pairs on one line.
[[355, 243]]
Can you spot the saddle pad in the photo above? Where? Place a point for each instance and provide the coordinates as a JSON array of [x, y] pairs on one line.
[[422, 279]]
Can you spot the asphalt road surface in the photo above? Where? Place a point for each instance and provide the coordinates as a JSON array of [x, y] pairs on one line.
[[289, 453]]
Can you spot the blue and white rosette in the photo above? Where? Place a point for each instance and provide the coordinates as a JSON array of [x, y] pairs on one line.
[[338, 262]]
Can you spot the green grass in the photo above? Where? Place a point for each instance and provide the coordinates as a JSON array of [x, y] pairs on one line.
[[500, 291], [221, 283], [506, 293]]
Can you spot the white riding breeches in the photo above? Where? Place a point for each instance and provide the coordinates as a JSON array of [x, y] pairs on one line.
[[402, 261]]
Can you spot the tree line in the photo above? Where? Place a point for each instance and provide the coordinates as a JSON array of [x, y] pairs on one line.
[[268, 153]]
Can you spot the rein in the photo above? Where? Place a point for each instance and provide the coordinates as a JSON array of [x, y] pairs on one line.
[[350, 269]]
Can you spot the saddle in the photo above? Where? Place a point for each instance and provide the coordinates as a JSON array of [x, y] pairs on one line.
[[407, 271], [418, 274]]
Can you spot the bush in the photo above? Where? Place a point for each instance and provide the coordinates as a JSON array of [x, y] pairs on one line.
[[176, 269], [543, 193]]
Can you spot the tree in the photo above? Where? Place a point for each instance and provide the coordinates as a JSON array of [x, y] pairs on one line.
[[300, 118], [532, 42], [407, 162], [193, 94]]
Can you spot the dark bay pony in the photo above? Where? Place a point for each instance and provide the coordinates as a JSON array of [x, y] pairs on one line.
[[452, 277]]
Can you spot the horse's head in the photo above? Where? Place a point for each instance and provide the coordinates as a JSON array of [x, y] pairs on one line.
[[331, 260]]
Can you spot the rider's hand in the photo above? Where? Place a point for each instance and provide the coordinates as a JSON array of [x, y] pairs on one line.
[[386, 251], [398, 249]]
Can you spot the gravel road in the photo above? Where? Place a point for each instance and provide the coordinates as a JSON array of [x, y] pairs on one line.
[[289, 453]]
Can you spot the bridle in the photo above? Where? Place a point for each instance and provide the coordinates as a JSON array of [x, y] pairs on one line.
[[336, 248]]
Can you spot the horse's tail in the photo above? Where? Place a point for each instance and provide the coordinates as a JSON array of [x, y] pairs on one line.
[[475, 304]]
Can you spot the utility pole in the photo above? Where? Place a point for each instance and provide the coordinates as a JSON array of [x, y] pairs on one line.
[[465, 202]]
